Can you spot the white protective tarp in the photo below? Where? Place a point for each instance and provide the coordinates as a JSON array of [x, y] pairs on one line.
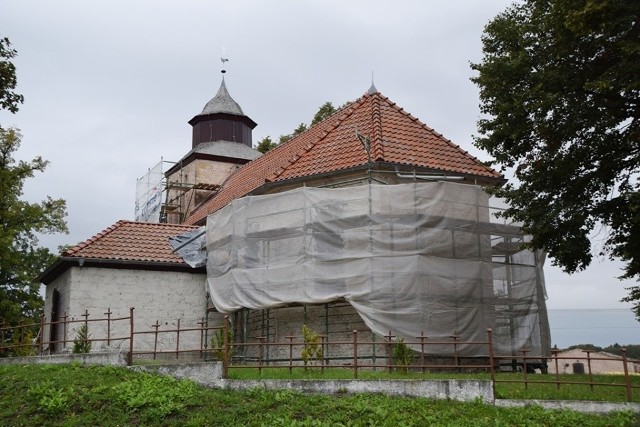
[[410, 258], [149, 195]]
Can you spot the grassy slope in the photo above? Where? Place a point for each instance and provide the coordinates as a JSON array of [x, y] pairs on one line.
[[71, 395]]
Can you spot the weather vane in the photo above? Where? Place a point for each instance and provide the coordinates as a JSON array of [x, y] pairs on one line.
[[223, 60]]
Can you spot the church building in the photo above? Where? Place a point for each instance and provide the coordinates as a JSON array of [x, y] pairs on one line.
[[368, 220]]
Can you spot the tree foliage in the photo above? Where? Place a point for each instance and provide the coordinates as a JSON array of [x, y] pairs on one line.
[[9, 100], [21, 259], [266, 144], [324, 111], [560, 89]]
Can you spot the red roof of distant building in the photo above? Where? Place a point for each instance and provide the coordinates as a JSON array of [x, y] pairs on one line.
[[335, 144]]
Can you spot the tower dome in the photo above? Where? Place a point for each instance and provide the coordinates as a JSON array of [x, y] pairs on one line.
[[222, 119]]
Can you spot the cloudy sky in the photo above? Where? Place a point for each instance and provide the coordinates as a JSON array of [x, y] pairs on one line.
[[110, 85]]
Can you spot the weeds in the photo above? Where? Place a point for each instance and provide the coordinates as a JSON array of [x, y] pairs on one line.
[[217, 343]]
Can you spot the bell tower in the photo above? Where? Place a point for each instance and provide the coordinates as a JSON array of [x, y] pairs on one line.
[[221, 143], [222, 119]]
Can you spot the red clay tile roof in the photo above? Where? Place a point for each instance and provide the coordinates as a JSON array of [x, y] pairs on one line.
[[394, 136], [131, 241]]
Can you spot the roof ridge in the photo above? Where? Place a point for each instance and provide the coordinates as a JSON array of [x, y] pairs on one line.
[[376, 149], [438, 135], [99, 235], [347, 112]]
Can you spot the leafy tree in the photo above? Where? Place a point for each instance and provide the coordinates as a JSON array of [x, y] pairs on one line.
[[301, 128], [9, 100], [21, 259], [325, 111], [560, 87], [266, 144]]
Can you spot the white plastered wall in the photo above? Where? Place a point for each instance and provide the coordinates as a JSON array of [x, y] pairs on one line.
[[162, 296]]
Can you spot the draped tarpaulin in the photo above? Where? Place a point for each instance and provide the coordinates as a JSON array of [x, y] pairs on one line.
[[410, 258]]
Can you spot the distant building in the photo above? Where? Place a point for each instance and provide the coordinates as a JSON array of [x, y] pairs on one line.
[[575, 361]]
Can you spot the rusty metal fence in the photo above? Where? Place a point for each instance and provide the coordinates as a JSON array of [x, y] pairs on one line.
[[216, 343]]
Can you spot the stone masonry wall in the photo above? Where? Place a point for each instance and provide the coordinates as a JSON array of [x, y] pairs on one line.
[[336, 321]]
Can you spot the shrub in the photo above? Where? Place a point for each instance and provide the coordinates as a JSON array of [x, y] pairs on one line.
[[82, 343], [312, 346], [22, 343], [402, 355]]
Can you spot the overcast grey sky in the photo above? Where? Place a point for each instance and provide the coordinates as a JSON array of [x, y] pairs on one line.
[[110, 85]]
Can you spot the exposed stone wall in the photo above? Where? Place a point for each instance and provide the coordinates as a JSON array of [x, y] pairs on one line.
[[199, 171], [161, 296], [336, 321]]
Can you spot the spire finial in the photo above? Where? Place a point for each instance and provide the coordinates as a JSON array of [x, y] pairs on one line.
[[372, 89], [223, 60]]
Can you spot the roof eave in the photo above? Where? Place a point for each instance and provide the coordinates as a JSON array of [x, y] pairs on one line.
[[202, 156], [480, 179], [63, 263], [223, 116]]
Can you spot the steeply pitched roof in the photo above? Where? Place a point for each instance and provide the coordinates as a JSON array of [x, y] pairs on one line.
[[222, 103], [393, 135], [131, 241]]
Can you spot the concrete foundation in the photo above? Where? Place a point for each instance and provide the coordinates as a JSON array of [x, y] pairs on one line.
[[100, 358]]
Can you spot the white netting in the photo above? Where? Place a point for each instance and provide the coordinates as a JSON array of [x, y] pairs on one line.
[[149, 195], [410, 258]]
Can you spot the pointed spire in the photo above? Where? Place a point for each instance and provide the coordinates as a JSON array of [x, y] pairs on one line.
[[372, 88], [222, 103]]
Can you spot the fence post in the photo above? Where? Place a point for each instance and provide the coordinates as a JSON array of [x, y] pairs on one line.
[[290, 337], [260, 354], [355, 353], [108, 313], [524, 365], [201, 323], [589, 366], [492, 369], [324, 354], [41, 335], [390, 353], [155, 339], [86, 320], [555, 353], [21, 342], [422, 337], [178, 341], [225, 340], [455, 337], [627, 380], [64, 330], [130, 358]]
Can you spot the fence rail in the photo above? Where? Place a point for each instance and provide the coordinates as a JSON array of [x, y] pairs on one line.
[[215, 342]]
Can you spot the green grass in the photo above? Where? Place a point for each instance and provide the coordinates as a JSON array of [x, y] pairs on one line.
[[73, 395]]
